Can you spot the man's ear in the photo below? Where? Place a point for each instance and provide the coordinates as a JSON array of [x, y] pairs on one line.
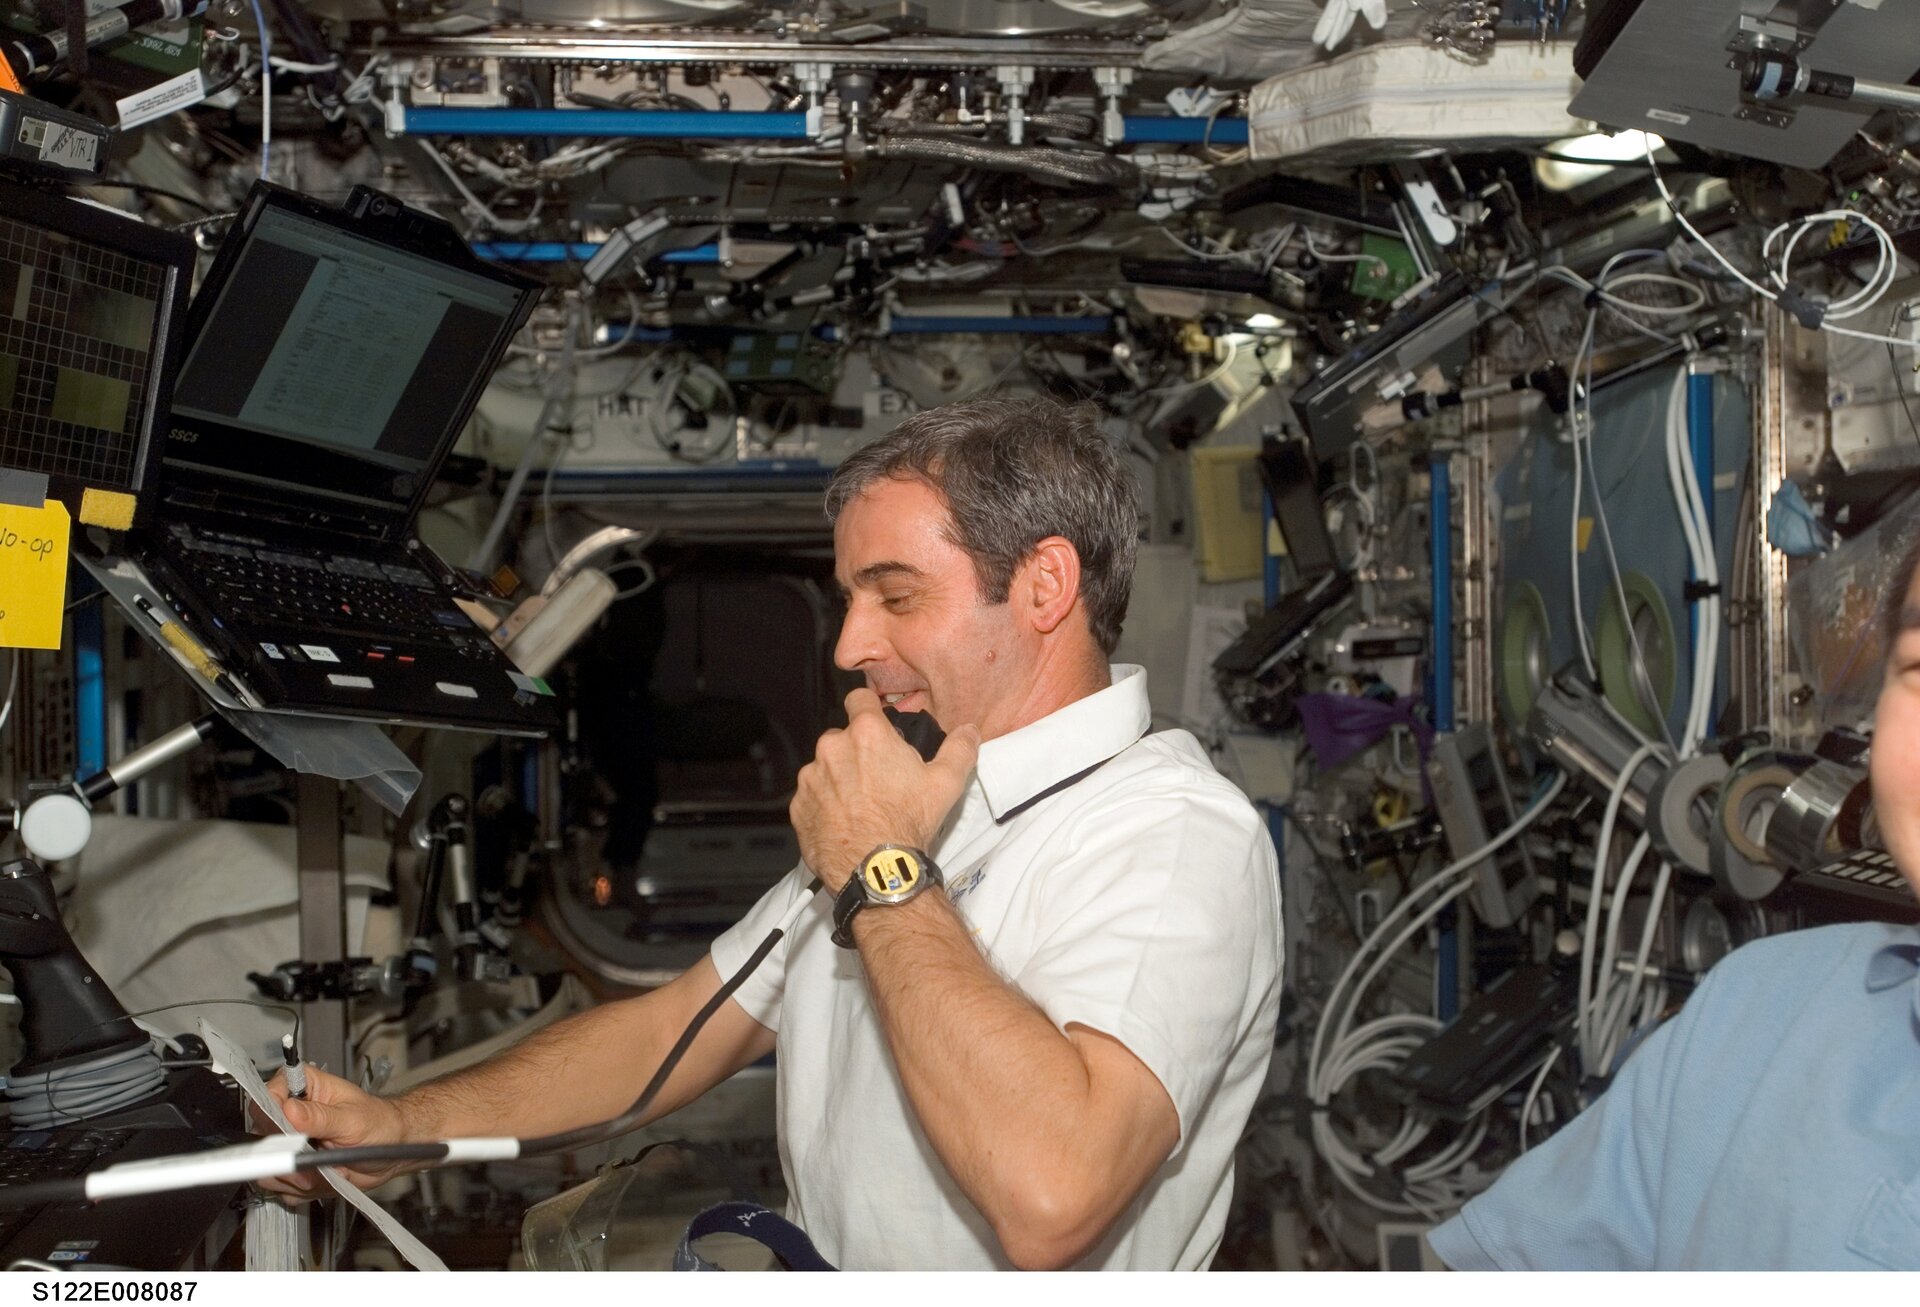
[[1050, 583]]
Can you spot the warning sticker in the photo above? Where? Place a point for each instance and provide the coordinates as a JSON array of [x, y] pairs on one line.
[[189, 88]]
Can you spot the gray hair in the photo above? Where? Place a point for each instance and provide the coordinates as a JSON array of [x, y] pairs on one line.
[[1013, 472]]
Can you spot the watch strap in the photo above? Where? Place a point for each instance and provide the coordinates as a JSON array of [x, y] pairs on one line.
[[857, 893]]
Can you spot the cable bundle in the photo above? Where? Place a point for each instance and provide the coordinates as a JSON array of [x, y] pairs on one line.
[[1340, 1053]]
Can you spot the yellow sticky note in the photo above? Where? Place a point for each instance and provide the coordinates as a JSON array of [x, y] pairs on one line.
[[1586, 533], [33, 574]]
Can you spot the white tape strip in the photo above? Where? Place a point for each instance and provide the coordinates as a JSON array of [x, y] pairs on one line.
[[499, 1148]]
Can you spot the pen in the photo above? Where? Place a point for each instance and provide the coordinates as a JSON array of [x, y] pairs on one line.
[[296, 1070], [188, 648]]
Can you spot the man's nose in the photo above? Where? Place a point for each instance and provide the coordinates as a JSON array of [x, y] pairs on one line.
[[859, 642]]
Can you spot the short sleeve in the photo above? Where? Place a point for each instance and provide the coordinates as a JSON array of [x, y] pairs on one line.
[[1160, 928], [761, 993], [1587, 1199]]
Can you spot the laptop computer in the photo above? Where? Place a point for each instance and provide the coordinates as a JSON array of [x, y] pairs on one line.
[[1287, 472], [152, 1232], [332, 357]]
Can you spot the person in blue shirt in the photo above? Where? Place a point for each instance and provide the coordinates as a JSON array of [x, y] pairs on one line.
[[1775, 1122]]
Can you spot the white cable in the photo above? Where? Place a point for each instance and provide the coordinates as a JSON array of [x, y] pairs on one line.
[[1637, 655], [1327, 256], [1386, 1041], [1590, 936], [509, 225], [1610, 1045], [13, 683], [360, 89], [1333, 1015], [266, 87], [1580, 637], [1684, 484], [1755, 286], [1885, 268], [293, 66], [1371, 1046], [1533, 1092], [1605, 986]]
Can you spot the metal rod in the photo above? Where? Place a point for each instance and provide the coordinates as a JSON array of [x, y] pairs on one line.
[[647, 45], [662, 123]]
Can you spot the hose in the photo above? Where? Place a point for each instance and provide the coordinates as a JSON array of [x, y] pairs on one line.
[[1047, 120], [1054, 167]]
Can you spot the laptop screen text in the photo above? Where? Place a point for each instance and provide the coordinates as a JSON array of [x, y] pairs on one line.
[[325, 338]]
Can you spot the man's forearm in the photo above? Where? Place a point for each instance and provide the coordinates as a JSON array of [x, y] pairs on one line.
[[592, 1066], [998, 1089], [573, 1073]]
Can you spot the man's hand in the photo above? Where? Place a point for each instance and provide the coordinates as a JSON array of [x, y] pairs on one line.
[[866, 786], [334, 1114]]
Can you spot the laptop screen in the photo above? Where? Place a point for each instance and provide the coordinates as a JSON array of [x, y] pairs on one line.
[[331, 356]]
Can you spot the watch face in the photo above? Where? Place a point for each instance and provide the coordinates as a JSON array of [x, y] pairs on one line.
[[892, 874]]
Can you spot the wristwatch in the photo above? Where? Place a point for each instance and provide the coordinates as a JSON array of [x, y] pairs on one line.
[[892, 873]]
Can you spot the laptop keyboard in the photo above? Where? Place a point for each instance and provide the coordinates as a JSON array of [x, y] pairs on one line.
[[313, 590], [31, 1155]]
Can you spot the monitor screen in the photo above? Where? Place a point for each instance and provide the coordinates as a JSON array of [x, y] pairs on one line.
[[89, 308], [328, 338]]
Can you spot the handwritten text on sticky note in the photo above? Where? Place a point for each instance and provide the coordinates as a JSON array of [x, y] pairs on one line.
[[33, 574]]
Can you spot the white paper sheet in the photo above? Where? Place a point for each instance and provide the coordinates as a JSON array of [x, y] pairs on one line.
[[229, 1060]]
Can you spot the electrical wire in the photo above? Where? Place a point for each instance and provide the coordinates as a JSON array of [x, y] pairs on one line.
[[266, 87], [1900, 382], [13, 685], [1771, 295], [1533, 1092], [1683, 480], [1615, 1031], [1590, 936], [1328, 256], [1641, 679], [1387, 1041], [264, 1158], [475, 204]]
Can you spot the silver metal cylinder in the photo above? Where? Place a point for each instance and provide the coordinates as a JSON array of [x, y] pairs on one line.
[[1804, 830], [1570, 724]]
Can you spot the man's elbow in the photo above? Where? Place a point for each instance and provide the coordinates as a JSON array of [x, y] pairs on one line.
[[1050, 1230]]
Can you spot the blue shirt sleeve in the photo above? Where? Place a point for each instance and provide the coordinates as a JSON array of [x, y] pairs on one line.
[[1588, 1198]]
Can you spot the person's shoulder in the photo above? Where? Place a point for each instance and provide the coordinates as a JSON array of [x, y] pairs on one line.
[[1172, 766], [1837, 945], [1798, 963], [1166, 782]]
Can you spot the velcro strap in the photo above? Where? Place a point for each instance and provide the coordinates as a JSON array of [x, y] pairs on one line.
[[769, 1229]]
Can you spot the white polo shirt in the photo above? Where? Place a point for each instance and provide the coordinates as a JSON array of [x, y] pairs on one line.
[[1142, 901]]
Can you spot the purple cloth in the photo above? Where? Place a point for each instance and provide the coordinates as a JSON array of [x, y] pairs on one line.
[[1339, 726]]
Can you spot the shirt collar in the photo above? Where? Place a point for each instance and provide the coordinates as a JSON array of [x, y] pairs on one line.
[[1021, 764], [1897, 964]]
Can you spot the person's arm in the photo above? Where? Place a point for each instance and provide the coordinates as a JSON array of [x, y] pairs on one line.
[[586, 1069], [1050, 1135], [1589, 1198]]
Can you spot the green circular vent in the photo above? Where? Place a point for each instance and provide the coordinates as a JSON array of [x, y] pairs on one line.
[[1526, 651], [1643, 697]]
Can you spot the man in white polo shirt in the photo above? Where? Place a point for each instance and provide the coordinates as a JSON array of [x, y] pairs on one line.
[[1047, 1058]]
